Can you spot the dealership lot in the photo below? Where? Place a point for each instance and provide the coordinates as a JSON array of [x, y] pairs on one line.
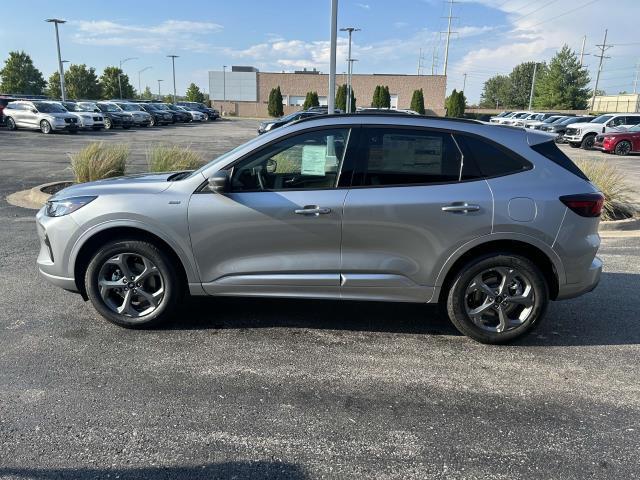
[[302, 389]]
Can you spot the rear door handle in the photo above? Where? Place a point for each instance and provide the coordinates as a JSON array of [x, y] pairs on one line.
[[460, 207], [312, 210]]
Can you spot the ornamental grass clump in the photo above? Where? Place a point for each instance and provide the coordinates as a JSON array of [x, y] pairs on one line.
[[97, 161], [617, 192], [162, 158]]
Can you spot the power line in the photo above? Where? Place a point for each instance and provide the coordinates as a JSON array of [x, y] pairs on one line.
[[563, 14], [537, 9]]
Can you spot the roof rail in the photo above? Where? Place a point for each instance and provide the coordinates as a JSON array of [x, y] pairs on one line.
[[390, 115]]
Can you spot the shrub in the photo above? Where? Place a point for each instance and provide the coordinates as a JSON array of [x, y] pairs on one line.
[[97, 161], [612, 183], [162, 158]]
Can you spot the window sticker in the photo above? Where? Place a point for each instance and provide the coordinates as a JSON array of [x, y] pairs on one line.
[[314, 160]]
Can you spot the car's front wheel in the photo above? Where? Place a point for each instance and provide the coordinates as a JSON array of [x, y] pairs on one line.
[[497, 298], [108, 124], [11, 124], [132, 283], [45, 127], [587, 142], [623, 148]]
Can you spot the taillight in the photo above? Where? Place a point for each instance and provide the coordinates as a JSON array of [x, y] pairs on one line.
[[585, 204]]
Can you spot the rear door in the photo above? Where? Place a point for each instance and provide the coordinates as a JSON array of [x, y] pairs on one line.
[[413, 203]]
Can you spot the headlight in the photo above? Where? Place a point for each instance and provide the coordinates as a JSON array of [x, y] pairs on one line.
[[59, 120], [268, 126], [65, 206]]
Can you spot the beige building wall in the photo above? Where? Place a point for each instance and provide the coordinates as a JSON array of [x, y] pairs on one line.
[[626, 103], [298, 84]]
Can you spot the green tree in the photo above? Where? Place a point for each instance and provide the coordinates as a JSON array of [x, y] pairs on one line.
[[80, 83], [520, 80], [564, 85], [311, 100], [19, 75], [495, 92], [274, 107], [53, 86], [194, 94], [110, 86], [147, 94], [341, 97], [455, 104], [375, 101], [417, 101], [385, 97]]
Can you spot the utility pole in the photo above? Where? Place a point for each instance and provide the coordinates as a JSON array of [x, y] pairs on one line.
[[224, 84], [449, 32], [635, 81], [121, 72], [350, 30], [421, 63], [139, 80], [333, 33], [603, 48], [533, 84], [434, 57], [159, 94], [584, 40], [464, 83], [173, 64], [349, 75], [56, 21]]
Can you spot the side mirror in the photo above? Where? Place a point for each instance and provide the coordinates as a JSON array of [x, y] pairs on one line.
[[33, 110], [219, 182]]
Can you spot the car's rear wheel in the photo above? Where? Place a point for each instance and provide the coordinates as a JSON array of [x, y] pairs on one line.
[[587, 142], [108, 124], [45, 127], [11, 124], [152, 122], [497, 298], [623, 148], [132, 283], [206, 117]]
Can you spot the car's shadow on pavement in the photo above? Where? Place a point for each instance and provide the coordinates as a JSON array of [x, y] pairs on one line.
[[610, 315], [221, 471]]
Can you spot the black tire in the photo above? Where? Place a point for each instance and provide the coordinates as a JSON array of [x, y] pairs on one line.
[[206, 117], [457, 297], [45, 127], [11, 124], [574, 145], [171, 283], [108, 124], [587, 142], [152, 122], [623, 148]]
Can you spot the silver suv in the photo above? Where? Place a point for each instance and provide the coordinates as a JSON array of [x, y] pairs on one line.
[[492, 222], [39, 115]]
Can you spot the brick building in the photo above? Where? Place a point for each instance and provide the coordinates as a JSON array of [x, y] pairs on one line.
[[244, 91]]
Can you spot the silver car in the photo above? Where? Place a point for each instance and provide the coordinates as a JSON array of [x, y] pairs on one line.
[[491, 222], [39, 115]]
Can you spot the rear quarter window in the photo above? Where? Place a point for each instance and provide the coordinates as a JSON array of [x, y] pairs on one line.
[[553, 153], [491, 160]]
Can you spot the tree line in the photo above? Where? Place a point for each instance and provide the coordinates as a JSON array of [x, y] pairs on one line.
[[20, 76], [562, 84]]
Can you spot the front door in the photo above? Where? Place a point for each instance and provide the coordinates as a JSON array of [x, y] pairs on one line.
[[277, 232], [413, 203]]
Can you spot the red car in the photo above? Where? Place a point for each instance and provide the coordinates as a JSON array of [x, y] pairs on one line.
[[620, 143]]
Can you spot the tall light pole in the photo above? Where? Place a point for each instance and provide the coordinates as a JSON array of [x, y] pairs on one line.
[[173, 64], [121, 72], [331, 97], [350, 88], [159, 95], [349, 65], [56, 21], [224, 84], [533, 84], [139, 81]]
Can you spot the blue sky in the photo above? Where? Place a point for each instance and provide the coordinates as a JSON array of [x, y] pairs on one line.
[[492, 36]]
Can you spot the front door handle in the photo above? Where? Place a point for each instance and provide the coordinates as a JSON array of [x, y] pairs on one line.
[[312, 210], [460, 207]]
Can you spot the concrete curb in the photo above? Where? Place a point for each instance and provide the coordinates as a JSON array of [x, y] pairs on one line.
[[33, 198], [629, 224]]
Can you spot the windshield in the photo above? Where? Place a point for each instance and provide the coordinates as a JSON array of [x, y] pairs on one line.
[[552, 119], [129, 107], [161, 106], [72, 107], [108, 107], [49, 107], [86, 107], [288, 118], [602, 119]]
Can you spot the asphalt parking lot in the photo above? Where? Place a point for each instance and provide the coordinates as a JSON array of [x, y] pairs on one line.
[[251, 388]]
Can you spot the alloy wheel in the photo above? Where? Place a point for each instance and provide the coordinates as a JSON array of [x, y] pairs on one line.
[[131, 285], [623, 148], [500, 299], [45, 126], [107, 124]]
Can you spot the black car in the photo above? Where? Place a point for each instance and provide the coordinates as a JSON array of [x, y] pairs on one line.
[[209, 113], [178, 115], [114, 117], [159, 116], [292, 117], [4, 101]]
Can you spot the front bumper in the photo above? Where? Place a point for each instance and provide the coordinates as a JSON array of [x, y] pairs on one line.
[[572, 138], [56, 234], [588, 282], [67, 126]]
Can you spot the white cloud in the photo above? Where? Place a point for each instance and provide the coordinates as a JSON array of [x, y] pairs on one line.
[[174, 34], [364, 6]]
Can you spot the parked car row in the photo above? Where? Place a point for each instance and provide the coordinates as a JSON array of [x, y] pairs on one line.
[[617, 133], [50, 116]]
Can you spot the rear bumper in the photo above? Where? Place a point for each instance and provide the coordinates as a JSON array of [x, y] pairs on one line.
[[588, 282]]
